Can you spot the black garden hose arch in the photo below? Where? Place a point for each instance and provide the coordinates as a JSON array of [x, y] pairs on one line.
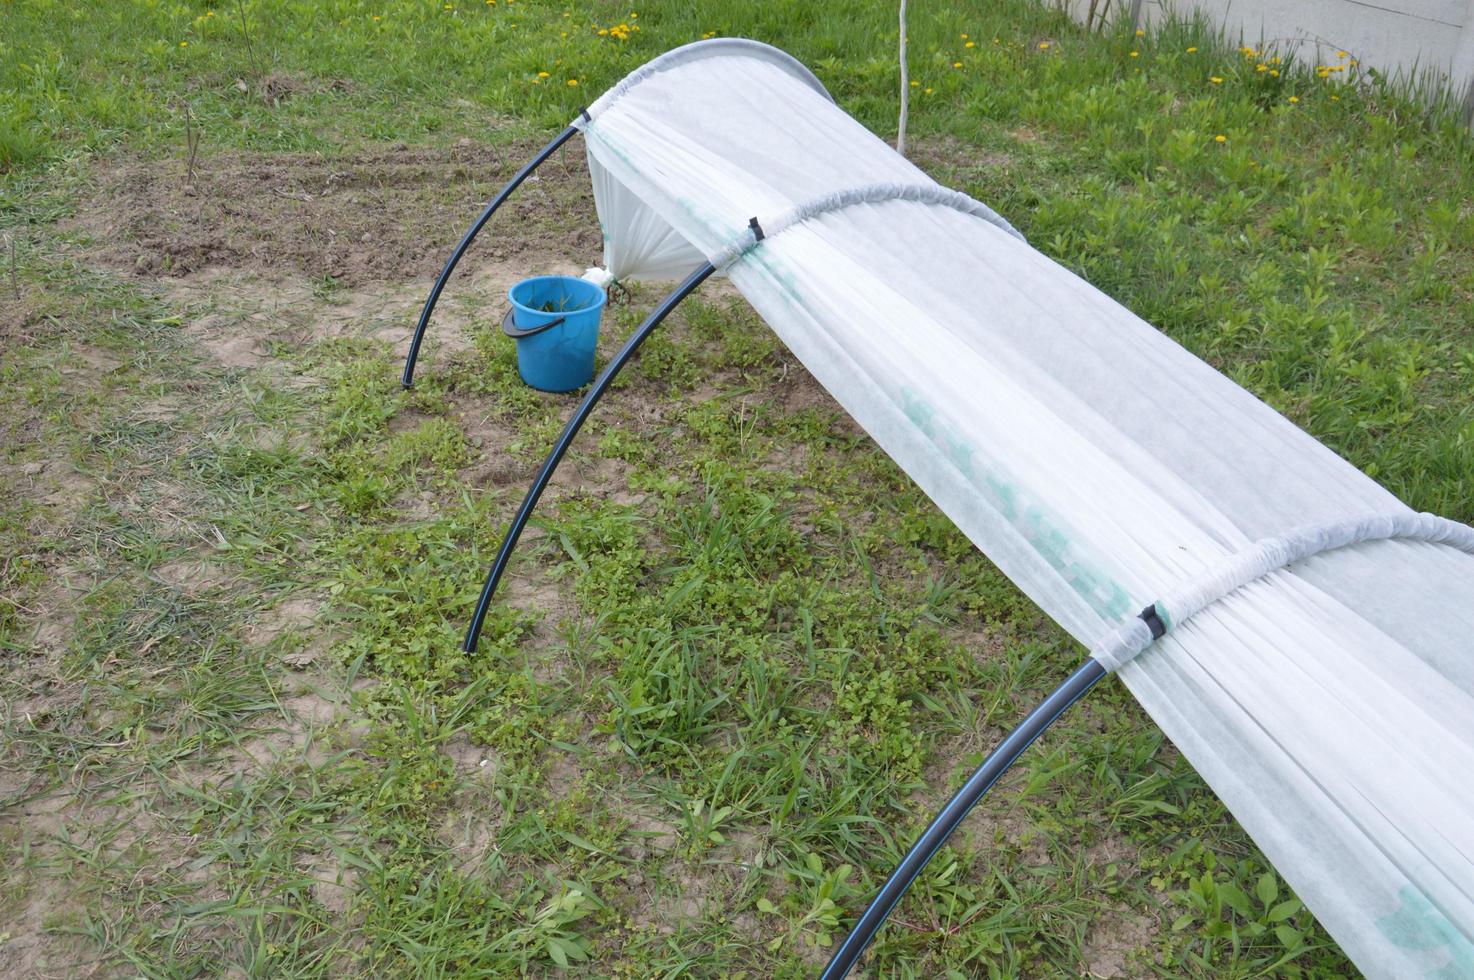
[[408, 378], [956, 810], [601, 385]]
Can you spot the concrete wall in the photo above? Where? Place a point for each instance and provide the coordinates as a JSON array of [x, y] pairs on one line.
[[1431, 41]]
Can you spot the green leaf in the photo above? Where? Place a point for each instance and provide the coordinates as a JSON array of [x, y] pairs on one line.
[[1289, 936], [1267, 890], [1284, 910], [766, 907], [1234, 897]]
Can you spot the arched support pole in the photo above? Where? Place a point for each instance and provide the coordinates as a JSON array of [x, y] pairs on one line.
[[569, 431], [956, 810], [408, 378]]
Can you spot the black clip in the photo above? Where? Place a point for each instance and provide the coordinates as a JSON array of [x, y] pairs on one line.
[[1153, 621], [584, 114], [757, 229]]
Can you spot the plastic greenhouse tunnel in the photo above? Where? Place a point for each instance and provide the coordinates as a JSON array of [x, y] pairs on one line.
[[1298, 632]]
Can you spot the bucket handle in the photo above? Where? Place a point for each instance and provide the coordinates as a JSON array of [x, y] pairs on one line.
[[517, 333]]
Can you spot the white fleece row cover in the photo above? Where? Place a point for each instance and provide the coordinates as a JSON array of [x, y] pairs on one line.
[[1102, 467]]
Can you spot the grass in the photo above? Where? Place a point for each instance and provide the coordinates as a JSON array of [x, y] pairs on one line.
[[741, 659]]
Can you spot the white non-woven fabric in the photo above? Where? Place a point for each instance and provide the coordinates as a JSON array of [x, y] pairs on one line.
[[1102, 467]]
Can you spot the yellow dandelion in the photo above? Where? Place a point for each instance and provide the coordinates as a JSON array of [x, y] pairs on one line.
[[1335, 98], [1140, 32], [707, 35], [1043, 45], [1340, 54], [376, 18], [1136, 54], [602, 32], [1294, 99], [573, 83], [970, 44], [1215, 79], [926, 91], [964, 37], [956, 64], [184, 44], [1261, 68], [1220, 138], [209, 13], [916, 85], [1274, 73], [542, 74], [1192, 50], [1323, 73]]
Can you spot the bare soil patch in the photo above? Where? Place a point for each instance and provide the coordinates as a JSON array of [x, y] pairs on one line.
[[380, 214]]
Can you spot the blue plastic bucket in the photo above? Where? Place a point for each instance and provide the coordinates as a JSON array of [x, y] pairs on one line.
[[555, 321]]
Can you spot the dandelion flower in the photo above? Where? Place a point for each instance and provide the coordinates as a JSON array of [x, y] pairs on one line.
[[377, 18], [970, 44], [956, 64], [1215, 79], [1140, 32], [573, 83], [1192, 50], [1220, 138], [1323, 73], [184, 44], [916, 85], [926, 91], [542, 74], [1340, 54], [964, 37], [1136, 54], [1274, 73], [1043, 45], [1294, 99], [1335, 98]]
